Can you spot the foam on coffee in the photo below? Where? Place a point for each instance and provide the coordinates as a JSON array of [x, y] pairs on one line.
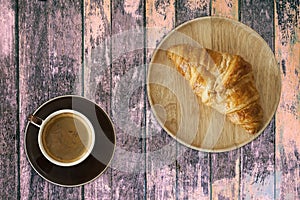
[[66, 137]]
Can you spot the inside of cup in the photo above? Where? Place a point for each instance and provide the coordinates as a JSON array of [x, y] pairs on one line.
[[66, 137]]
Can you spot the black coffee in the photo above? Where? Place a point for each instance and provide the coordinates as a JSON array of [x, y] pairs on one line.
[[66, 137]]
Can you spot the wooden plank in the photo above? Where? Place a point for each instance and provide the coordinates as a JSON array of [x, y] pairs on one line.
[[31, 62], [8, 104], [287, 47], [128, 100], [225, 167], [50, 65], [66, 40], [193, 167], [97, 77], [190, 9], [160, 147], [229, 8], [225, 175], [257, 158]]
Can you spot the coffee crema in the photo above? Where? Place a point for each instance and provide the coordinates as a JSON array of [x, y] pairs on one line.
[[66, 137]]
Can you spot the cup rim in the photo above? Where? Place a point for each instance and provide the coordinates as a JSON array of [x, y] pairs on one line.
[[82, 158]]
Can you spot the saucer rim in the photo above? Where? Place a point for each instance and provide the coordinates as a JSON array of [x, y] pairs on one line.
[[106, 165]]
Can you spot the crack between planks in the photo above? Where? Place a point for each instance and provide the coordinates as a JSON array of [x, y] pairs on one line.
[[145, 97], [210, 176], [240, 173], [110, 84], [17, 85], [240, 149], [239, 10], [210, 154], [274, 130], [82, 64], [210, 8], [82, 7], [176, 161]]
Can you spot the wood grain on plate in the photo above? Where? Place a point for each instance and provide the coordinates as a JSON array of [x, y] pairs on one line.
[[9, 133], [50, 65], [214, 132]]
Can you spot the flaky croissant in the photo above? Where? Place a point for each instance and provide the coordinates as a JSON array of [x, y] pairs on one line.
[[223, 81]]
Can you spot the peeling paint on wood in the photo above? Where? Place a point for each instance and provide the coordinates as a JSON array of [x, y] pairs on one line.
[[225, 175], [65, 45], [128, 78], [9, 174], [97, 78], [50, 53], [259, 15], [193, 169], [190, 9], [257, 158], [257, 166], [287, 46], [160, 19], [225, 171], [31, 65], [228, 8], [97, 69], [50, 65], [160, 147]]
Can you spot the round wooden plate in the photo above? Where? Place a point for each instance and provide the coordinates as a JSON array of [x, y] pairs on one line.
[[181, 113]]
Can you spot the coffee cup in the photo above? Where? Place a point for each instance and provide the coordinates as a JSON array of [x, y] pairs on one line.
[[66, 137]]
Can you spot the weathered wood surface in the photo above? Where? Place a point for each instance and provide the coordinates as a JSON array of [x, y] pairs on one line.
[[257, 158], [50, 65], [45, 60], [161, 172], [287, 48], [128, 98], [97, 77], [229, 8], [9, 133]]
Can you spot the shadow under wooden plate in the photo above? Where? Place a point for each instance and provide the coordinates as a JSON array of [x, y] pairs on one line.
[[181, 113]]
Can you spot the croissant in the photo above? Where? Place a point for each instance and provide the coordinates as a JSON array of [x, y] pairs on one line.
[[223, 81]]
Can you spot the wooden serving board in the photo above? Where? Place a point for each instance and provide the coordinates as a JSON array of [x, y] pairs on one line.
[[181, 113]]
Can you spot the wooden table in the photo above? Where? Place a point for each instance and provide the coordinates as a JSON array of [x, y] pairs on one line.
[[96, 49]]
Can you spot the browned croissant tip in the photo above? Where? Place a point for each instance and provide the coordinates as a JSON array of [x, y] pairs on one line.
[[250, 117], [254, 129]]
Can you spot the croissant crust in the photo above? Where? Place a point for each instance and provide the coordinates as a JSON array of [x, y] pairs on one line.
[[223, 81]]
